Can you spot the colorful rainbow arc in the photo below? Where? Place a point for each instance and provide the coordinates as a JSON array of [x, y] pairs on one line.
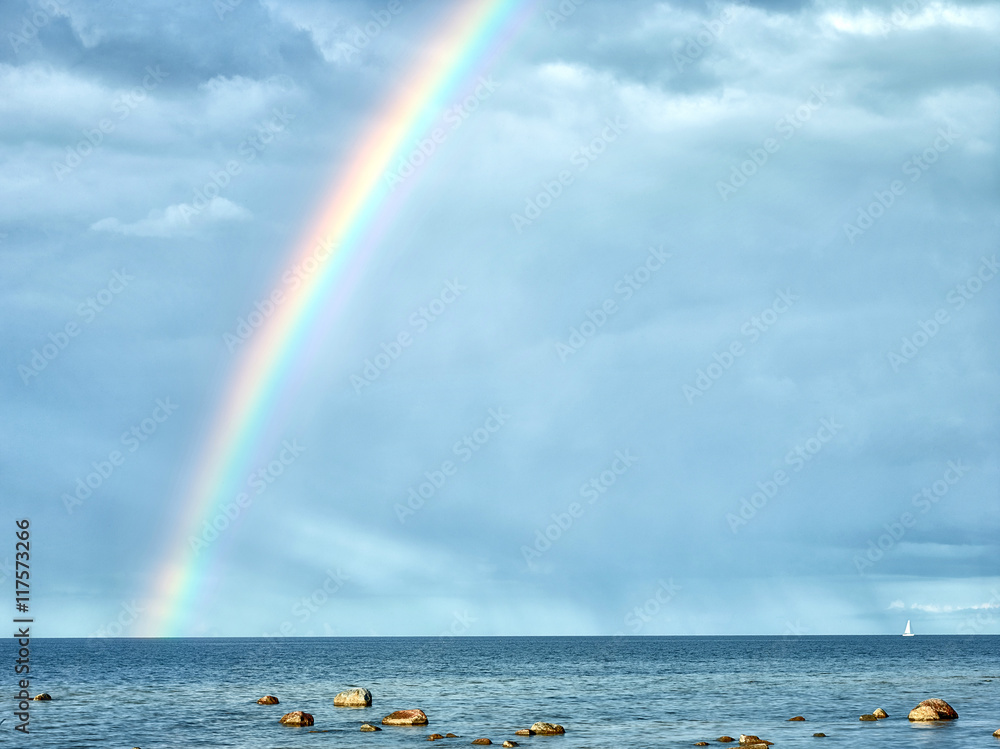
[[351, 219]]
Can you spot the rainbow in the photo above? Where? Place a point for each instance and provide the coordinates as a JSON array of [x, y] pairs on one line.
[[352, 217]]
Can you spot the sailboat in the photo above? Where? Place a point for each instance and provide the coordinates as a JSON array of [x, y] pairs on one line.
[[907, 632]]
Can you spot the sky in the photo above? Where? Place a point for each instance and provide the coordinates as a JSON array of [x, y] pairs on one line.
[[685, 326]]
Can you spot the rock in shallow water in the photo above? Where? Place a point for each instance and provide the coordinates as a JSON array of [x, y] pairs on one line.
[[748, 739], [481, 741], [997, 733], [524, 732], [268, 699], [369, 727], [701, 743], [880, 713], [725, 739], [547, 729], [360, 697], [932, 709], [867, 716], [405, 718], [43, 697], [509, 744], [297, 718], [434, 737], [819, 735], [797, 717]]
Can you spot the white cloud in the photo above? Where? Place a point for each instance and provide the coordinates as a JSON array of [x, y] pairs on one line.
[[897, 604], [174, 220], [934, 608]]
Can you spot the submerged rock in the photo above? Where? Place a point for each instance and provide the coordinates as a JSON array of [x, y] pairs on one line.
[[43, 697], [405, 718], [725, 739], [797, 717], [268, 699], [297, 718], [819, 735], [481, 741], [547, 729], [369, 727], [932, 709], [880, 713], [524, 732], [867, 716], [434, 737], [452, 736], [360, 697], [701, 743], [509, 744]]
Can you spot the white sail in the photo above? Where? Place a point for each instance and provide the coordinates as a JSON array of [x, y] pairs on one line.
[[907, 632]]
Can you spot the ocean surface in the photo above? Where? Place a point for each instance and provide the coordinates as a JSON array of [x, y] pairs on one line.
[[606, 691]]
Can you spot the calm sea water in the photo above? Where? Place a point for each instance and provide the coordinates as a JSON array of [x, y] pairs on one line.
[[606, 691]]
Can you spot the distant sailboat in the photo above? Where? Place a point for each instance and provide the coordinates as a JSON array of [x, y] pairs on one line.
[[907, 632]]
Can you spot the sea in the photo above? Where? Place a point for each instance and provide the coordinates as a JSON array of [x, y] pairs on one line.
[[606, 691]]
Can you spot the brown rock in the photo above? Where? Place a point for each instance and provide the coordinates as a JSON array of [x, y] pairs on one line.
[[405, 718], [819, 735], [547, 729], [932, 709], [481, 741], [268, 699], [880, 713], [360, 697], [524, 732], [701, 743], [452, 736], [797, 717], [997, 733], [297, 718], [369, 727], [43, 697], [725, 739], [509, 744], [867, 716], [754, 741], [434, 737]]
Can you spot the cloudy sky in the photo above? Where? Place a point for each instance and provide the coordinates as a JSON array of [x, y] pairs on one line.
[[701, 302]]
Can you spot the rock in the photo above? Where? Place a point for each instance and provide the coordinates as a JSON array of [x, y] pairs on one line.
[[867, 716], [932, 709], [434, 737], [297, 718], [797, 717], [819, 735], [369, 727], [725, 739], [405, 718], [524, 732], [509, 744], [481, 741], [43, 697], [880, 713], [547, 729], [452, 736], [997, 733], [268, 699], [701, 743], [353, 698], [754, 741]]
